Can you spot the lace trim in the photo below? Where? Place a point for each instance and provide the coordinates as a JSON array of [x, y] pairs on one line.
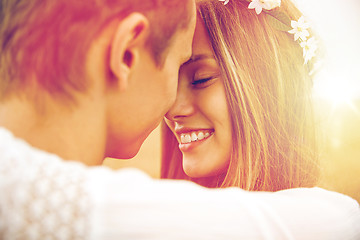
[[42, 196]]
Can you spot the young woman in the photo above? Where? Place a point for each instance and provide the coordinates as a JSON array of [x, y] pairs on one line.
[[243, 114]]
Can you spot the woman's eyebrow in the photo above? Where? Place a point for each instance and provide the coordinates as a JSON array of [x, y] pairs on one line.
[[198, 57]]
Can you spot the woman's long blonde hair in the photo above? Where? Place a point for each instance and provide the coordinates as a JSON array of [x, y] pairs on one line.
[[268, 90]]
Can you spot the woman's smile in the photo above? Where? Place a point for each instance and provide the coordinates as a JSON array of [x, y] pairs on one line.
[[194, 138]]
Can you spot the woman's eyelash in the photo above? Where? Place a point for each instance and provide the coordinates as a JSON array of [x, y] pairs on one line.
[[201, 81]]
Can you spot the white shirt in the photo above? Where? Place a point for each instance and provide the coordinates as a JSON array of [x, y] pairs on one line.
[[45, 197]]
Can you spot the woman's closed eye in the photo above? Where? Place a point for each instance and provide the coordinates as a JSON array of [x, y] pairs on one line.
[[204, 81]]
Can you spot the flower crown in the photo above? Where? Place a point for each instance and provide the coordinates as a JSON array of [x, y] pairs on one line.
[[281, 21]]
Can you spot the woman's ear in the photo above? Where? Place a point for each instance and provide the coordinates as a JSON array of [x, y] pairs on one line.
[[129, 38]]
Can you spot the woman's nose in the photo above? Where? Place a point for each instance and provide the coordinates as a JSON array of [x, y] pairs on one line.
[[183, 106]]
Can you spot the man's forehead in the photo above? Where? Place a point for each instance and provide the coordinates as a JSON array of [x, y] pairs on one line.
[[189, 39]]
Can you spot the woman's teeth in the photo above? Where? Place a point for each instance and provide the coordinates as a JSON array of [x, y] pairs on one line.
[[193, 136]]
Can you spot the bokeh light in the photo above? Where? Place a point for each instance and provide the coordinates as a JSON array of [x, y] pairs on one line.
[[337, 91]]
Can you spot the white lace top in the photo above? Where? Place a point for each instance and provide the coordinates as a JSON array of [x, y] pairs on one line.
[[44, 197]]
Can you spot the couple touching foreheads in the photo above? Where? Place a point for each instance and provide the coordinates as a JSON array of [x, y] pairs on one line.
[[231, 80]]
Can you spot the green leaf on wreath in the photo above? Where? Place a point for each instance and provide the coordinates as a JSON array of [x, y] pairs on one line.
[[278, 20]]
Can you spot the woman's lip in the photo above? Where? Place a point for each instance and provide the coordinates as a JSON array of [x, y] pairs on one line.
[[181, 130], [186, 147]]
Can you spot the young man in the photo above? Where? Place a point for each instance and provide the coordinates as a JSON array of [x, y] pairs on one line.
[[91, 79], [84, 80]]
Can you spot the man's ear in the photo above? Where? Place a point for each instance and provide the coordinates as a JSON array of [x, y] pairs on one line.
[[130, 35]]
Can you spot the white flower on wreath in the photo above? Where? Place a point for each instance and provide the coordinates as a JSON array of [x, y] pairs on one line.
[[224, 1], [259, 5], [300, 29], [309, 48]]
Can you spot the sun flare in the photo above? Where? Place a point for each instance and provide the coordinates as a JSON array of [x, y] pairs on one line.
[[338, 91]]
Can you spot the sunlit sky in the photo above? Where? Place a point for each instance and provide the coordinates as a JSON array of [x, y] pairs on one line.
[[337, 22]]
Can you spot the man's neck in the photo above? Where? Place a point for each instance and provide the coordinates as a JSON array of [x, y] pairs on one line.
[[72, 135]]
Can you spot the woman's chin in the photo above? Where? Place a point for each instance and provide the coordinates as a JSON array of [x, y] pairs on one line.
[[196, 171]]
